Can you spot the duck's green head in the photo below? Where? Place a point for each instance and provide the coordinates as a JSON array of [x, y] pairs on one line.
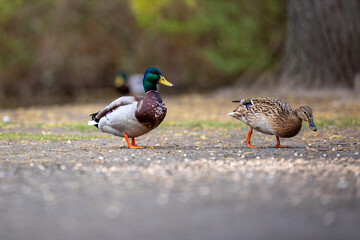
[[152, 77]]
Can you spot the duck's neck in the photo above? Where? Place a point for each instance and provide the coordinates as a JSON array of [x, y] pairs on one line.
[[148, 86]]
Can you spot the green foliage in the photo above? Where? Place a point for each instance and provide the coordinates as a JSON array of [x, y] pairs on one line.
[[9, 44], [233, 36], [7, 9]]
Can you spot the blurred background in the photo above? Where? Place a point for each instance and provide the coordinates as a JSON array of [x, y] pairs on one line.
[[61, 51]]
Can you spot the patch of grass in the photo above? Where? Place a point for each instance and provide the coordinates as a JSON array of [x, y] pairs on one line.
[[81, 127], [339, 121], [203, 124], [42, 137], [6, 124]]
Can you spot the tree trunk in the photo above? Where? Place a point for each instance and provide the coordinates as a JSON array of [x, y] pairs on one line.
[[323, 43]]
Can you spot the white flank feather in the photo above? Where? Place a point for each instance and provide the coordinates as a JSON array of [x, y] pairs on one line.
[[92, 122]]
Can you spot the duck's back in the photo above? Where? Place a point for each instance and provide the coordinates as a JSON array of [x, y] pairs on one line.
[[270, 105]]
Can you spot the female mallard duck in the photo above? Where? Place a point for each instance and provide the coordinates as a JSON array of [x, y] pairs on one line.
[[272, 116], [134, 116]]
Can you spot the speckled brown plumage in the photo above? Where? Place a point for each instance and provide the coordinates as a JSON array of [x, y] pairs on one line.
[[152, 110], [272, 116]]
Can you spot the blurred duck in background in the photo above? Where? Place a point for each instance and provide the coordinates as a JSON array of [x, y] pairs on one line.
[[129, 85]]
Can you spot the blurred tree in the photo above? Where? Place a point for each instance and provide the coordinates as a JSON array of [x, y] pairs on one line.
[[323, 43]]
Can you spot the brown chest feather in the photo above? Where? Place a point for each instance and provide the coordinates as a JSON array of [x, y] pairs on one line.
[[152, 111]]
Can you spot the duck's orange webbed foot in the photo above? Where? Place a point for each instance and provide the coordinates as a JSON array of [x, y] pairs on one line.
[[250, 145], [248, 140], [278, 143], [134, 144], [131, 145]]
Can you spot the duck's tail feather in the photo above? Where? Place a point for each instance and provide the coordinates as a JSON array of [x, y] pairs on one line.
[[245, 102], [94, 121]]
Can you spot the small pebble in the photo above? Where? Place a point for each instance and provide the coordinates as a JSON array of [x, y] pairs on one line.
[[204, 190], [295, 201], [325, 199], [329, 218], [113, 210], [342, 185], [162, 198]]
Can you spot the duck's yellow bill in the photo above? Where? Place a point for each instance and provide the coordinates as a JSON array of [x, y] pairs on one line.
[[119, 81], [165, 82]]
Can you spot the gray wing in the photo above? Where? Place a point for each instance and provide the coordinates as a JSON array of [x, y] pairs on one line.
[[117, 103]]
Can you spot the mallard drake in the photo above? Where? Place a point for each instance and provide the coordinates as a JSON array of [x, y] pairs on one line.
[[131, 116], [132, 84], [272, 116]]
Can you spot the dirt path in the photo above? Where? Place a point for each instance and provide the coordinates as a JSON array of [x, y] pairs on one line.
[[196, 179]]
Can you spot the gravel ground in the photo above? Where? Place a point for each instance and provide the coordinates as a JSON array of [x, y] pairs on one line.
[[189, 183]]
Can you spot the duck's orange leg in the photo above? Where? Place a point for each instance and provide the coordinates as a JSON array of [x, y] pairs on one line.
[[278, 143], [131, 145], [248, 140], [134, 144]]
